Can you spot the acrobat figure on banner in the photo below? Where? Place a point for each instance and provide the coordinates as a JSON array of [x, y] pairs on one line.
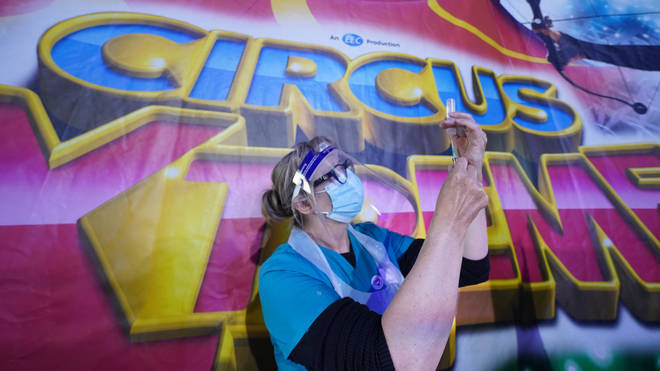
[[563, 49], [570, 49], [334, 296]]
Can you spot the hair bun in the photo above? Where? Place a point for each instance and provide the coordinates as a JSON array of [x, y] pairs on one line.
[[272, 207]]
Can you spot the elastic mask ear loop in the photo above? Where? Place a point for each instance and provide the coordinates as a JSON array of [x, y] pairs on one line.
[[324, 190]]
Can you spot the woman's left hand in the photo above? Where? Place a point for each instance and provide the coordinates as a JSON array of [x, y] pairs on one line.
[[470, 146]]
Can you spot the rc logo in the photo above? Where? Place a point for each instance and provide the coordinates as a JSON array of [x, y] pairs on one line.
[[352, 39]]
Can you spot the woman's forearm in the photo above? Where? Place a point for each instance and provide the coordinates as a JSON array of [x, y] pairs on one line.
[[418, 321], [475, 243]]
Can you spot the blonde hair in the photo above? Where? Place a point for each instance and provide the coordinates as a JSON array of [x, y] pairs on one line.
[[276, 203]]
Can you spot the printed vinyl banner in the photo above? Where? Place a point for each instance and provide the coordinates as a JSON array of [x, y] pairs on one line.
[[137, 137]]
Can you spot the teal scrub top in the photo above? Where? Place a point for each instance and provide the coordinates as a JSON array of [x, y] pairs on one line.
[[294, 292]]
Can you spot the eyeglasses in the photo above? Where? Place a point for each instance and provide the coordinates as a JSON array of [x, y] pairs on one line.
[[338, 172]]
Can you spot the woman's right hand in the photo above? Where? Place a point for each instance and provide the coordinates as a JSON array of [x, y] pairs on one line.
[[460, 198]]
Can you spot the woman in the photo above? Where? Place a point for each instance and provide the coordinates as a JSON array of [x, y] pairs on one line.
[[334, 297]]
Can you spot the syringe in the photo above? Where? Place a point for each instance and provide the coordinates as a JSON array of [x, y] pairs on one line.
[[451, 107]]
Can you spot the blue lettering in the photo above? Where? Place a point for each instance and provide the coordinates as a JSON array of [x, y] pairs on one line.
[[270, 76], [79, 54]]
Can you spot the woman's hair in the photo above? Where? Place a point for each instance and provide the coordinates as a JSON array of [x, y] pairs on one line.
[[276, 203]]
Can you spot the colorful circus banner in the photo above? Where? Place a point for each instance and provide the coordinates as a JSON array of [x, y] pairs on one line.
[[137, 137]]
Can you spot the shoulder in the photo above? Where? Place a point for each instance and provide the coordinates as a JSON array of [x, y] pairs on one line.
[[372, 230], [285, 258], [287, 265], [282, 257]]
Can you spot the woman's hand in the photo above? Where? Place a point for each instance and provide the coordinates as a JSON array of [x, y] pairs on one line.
[[472, 145], [461, 197]]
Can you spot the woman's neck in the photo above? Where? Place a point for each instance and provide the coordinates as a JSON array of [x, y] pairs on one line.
[[329, 233]]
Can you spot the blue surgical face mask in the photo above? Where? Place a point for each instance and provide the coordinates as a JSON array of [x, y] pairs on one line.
[[346, 198]]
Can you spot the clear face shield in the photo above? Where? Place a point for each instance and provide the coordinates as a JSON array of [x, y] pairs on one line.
[[327, 180], [343, 189]]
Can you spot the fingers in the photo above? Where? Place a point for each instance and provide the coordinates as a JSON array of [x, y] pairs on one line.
[[464, 121], [461, 119], [460, 164], [461, 115], [472, 171], [484, 200], [461, 194], [462, 168]]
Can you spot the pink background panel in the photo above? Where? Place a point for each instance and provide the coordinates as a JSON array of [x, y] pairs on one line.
[[247, 181], [15, 7], [230, 272], [574, 247], [613, 169], [33, 194], [396, 212], [57, 316], [429, 183], [644, 202]]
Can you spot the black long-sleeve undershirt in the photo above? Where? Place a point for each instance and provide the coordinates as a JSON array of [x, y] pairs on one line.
[[349, 336]]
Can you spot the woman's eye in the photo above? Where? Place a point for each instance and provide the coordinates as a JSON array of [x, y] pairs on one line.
[[322, 179]]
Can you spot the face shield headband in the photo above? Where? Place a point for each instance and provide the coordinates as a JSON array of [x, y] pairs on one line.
[[309, 164]]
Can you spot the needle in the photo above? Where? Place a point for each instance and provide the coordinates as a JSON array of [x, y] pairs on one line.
[[451, 107]]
